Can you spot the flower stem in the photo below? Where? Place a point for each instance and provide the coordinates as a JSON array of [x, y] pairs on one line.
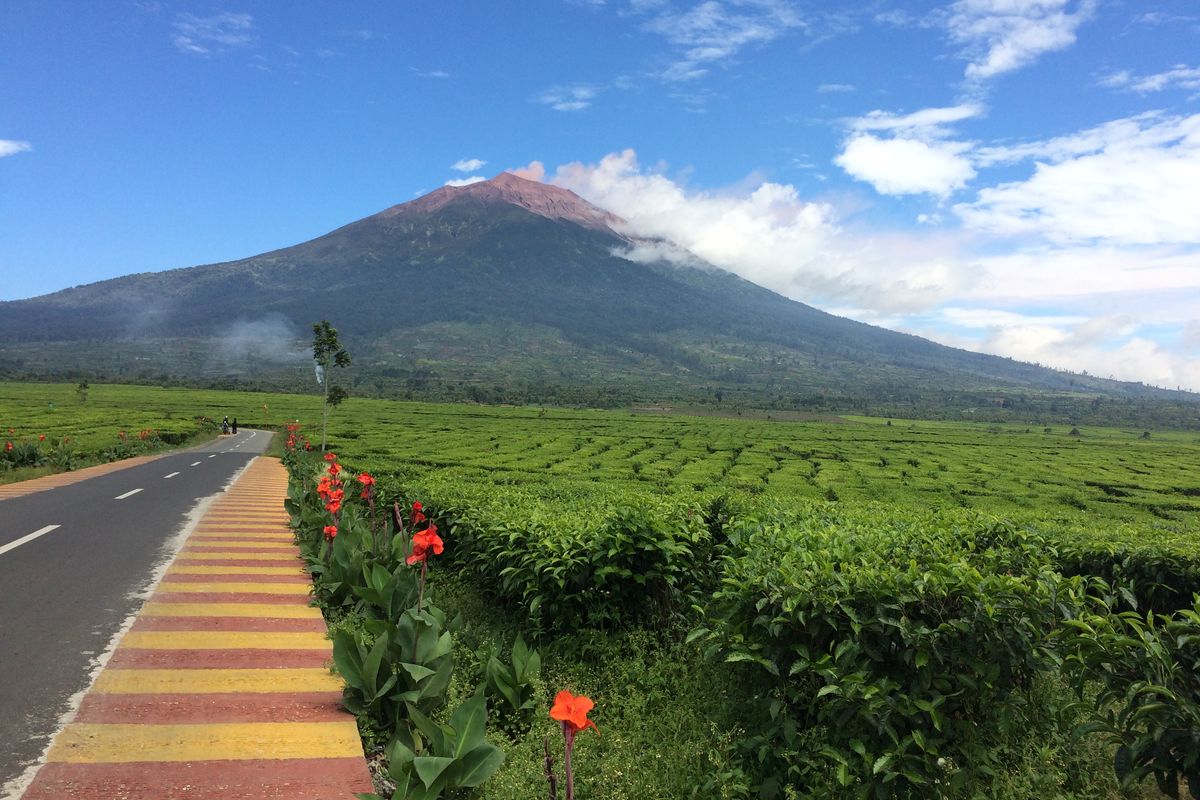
[[567, 761]]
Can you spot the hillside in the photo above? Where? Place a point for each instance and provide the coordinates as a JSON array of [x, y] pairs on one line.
[[512, 290]]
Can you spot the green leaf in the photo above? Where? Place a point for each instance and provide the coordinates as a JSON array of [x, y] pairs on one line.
[[881, 763], [417, 671], [478, 765], [468, 723], [430, 768], [371, 665]]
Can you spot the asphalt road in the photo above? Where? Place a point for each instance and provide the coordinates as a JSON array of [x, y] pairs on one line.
[[75, 563]]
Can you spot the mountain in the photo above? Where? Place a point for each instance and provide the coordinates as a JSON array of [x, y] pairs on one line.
[[515, 290]]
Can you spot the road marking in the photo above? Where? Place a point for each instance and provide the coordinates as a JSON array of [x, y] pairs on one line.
[[195, 463], [130, 493], [172, 475], [214, 455], [27, 538]]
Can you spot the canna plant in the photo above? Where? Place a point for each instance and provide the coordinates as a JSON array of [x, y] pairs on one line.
[[448, 756], [571, 710], [513, 682]]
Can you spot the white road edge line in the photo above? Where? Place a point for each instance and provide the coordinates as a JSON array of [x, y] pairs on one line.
[[172, 475], [27, 538], [130, 493]]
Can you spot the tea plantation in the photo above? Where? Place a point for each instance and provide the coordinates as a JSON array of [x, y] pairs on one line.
[[837, 607]]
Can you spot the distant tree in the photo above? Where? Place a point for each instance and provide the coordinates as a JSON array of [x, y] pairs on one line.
[[328, 353]]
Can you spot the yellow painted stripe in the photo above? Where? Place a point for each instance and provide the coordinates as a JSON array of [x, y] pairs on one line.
[[256, 588], [116, 743], [239, 536], [224, 640], [240, 544], [210, 555], [219, 570], [260, 610], [216, 681]]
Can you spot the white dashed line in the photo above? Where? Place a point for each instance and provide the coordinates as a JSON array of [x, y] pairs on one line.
[[27, 538], [214, 455], [172, 475], [130, 493], [195, 463]]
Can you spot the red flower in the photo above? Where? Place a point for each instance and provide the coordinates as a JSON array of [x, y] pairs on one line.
[[8, 445], [366, 480], [417, 516], [417, 507], [331, 457], [334, 469], [572, 710], [424, 542], [330, 532], [41, 437], [333, 506]]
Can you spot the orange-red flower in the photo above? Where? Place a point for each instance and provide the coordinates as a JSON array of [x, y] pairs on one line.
[[330, 532], [331, 456], [41, 437], [424, 542], [368, 483], [8, 445], [572, 710], [334, 468]]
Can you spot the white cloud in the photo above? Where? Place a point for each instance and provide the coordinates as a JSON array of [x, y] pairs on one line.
[[1106, 308], [1180, 75], [767, 233], [828, 88], [10, 147], [926, 123], [465, 181], [917, 159], [467, 164], [712, 31], [533, 171], [1131, 182], [906, 166], [441, 74], [218, 33], [999, 36], [1107, 346], [567, 98]]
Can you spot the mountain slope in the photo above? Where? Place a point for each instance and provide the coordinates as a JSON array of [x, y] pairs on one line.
[[504, 289]]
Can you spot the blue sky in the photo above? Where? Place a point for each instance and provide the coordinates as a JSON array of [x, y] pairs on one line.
[[1020, 177]]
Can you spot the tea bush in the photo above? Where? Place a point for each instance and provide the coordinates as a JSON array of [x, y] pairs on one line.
[[1148, 668], [895, 635]]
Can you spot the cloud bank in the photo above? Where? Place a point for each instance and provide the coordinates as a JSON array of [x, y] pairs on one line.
[[1109, 307]]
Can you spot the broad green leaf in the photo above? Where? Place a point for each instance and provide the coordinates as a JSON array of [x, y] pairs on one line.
[[430, 768], [478, 765]]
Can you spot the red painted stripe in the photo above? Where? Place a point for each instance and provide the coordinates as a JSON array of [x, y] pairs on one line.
[[231, 597], [232, 707], [187, 577], [283, 779], [135, 658], [264, 624]]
